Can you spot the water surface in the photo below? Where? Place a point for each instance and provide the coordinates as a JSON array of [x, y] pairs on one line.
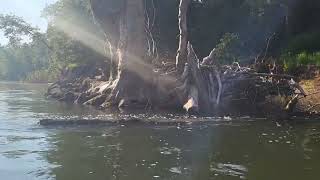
[[224, 150]]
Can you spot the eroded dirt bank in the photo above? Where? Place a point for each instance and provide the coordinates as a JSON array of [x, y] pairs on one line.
[[311, 102]]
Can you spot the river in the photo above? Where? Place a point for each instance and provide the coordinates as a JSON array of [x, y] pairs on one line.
[[224, 150]]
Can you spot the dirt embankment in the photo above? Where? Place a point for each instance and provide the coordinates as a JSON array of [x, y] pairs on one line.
[[312, 101]]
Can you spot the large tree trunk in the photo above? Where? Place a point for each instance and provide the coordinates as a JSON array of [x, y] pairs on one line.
[[134, 73], [183, 36]]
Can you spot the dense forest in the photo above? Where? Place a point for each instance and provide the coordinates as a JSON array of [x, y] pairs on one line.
[[34, 56], [125, 43], [241, 29]]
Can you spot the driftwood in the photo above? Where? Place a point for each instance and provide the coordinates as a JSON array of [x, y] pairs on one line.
[[198, 95], [212, 88], [291, 104], [193, 98]]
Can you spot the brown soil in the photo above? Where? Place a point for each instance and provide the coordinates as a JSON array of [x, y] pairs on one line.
[[312, 101]]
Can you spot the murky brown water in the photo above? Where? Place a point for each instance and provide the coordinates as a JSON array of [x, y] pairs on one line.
[[224, 150]]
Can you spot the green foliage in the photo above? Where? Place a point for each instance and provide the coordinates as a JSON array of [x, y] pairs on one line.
[[3, 61], [66, 43], [17, 61], [68, 9], [66, 50], [252, 21], [224, 50], [305, 42], [19, 58], [15, 29], [44, 55], [42, 75], [291, 62]]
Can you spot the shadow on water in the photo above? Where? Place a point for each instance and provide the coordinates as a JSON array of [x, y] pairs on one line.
[[226, 149]]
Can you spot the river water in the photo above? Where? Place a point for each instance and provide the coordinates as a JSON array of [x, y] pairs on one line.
[[224, 150]]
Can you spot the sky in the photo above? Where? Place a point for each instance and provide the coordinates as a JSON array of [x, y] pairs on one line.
[[29, 10]]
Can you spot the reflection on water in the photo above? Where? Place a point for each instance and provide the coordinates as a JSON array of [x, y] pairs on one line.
[[232, 150]]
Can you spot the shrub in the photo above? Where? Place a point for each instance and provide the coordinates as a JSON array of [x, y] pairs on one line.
[[291, 62], [224, 50]]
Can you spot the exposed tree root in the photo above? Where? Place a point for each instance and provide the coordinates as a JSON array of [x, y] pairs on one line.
[[201, 88]]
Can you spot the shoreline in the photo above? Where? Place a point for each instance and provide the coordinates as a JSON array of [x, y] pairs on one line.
[[163, 121]]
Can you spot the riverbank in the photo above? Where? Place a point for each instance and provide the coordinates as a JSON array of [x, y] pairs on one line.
[[310, 103], [162, 121], [140, 120], [234, 91]]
